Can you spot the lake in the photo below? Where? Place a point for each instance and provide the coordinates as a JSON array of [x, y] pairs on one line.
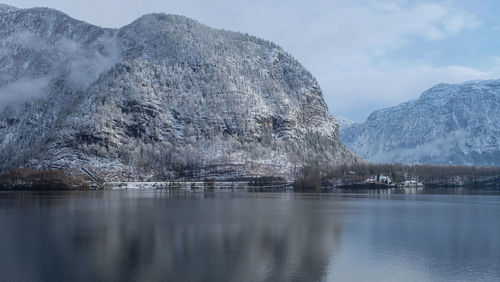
[[161, 235]]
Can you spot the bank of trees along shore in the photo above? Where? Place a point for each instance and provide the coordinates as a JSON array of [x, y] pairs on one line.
[[306, 178], [438, 175], [31, 179]]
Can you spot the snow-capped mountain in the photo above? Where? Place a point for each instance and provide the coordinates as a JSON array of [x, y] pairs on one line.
[[162, 95], [344, 122], [448, 124]]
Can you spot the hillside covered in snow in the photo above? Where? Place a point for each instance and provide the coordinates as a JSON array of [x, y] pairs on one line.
[[449, 124], [344, 122], [164, 96]]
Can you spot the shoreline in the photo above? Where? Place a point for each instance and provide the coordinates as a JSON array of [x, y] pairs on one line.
[[24, 179], [232, 185]]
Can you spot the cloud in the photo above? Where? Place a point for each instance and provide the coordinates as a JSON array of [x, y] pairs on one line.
[[67, 58], [86, 65], [23, 89], [361, 30]]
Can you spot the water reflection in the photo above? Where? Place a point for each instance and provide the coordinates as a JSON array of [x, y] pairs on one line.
[[117, 236], [169, 236]]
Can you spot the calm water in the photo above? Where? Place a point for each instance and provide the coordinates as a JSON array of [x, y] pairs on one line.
[[237, 236]]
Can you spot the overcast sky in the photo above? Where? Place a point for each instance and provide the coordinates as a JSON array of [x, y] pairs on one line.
[[366, 55]]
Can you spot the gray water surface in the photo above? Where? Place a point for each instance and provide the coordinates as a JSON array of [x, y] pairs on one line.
[[160, 235]]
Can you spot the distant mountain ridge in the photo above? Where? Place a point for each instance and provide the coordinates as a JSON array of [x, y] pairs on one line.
[[344, 122], [164, 96], [449, 124]]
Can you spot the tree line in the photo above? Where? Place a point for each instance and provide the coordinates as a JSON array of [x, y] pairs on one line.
[[431, 175]]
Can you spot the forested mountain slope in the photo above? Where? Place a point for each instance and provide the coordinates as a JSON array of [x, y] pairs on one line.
[[164, 96]]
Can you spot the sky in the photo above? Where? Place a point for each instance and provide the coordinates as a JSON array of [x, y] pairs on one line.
[[366, 55]]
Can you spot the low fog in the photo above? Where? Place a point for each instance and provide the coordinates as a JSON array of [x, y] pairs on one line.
[[31, 64]]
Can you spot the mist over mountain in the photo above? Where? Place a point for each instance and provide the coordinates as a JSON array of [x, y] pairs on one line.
[[164, 96], [449, 124]]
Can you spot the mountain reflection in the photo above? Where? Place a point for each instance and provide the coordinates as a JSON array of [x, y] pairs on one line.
[[167, 236]]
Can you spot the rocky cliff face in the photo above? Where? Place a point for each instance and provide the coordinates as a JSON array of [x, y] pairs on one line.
[[162, 97], [449, 124]]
